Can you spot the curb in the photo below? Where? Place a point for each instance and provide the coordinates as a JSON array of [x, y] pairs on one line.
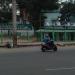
[[65, 45], [22, 45], [27, 45]]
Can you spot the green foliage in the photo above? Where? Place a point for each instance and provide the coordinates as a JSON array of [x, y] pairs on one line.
[[5, 11], [67, 11], [34, 7]]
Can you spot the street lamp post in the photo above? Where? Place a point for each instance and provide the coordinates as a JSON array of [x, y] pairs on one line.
[[14, 23]]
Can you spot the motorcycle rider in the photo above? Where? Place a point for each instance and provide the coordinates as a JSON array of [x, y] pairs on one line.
[[47, 39], [48, 44]]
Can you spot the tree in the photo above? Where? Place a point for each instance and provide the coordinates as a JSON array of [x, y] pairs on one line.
[[33, 8], [67, 11], [30, 9], [5, 11]]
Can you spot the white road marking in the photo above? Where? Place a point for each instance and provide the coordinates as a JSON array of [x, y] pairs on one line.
[[62, 68]]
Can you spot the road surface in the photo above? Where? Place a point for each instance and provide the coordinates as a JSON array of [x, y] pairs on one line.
[[31, 61]]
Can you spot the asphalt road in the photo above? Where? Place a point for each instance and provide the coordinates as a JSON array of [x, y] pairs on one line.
[[31, 61]]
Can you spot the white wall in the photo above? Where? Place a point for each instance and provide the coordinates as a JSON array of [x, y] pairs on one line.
[[50, 17]]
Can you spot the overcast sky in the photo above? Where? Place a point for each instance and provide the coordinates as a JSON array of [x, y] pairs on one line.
[[65, 0]]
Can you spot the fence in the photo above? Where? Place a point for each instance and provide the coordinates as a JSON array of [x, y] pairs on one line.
[[25, 33], [58, 33]]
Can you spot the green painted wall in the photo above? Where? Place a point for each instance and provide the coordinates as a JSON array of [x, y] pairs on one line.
[[59, 36]]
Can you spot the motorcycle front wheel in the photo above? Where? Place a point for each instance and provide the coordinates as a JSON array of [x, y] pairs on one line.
[[55, 48]]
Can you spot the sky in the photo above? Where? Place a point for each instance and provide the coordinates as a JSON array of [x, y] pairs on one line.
[[65, 0]]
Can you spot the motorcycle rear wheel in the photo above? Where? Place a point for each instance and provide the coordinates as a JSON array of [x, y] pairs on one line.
[[43, 49]]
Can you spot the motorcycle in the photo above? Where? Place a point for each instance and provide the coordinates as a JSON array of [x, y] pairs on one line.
[[48, 46]]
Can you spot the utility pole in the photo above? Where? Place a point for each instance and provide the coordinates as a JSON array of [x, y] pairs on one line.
[[14, 23]]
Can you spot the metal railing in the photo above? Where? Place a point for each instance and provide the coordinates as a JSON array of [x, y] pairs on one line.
[[25, 33], [59, 27]]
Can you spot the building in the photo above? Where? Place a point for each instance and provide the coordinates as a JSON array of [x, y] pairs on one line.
[[24, 32], [21, 29], [52, 18], [56, 31]]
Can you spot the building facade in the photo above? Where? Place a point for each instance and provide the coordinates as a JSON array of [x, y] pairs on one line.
[[56, 31]]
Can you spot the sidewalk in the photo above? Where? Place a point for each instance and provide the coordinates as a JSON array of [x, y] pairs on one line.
[[57, 43], [65, 43], [39, 43]]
